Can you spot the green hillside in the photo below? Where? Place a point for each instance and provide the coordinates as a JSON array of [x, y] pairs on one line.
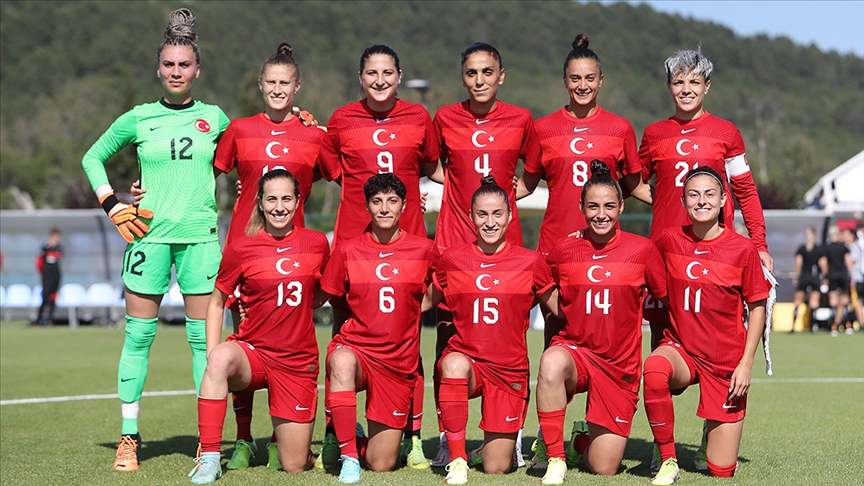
[[68, 69]]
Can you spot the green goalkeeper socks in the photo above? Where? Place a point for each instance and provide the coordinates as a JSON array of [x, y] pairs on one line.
[[195, 334], [132, 372]]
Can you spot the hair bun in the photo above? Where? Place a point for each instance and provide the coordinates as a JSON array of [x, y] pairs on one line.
[[181, 23], [598, 168], [580, 42], [488, 181], [285, 49]]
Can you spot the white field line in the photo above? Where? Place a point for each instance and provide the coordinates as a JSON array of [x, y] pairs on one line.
[[112, 396]]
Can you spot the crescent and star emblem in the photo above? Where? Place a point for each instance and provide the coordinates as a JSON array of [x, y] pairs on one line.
[[377, 133], [690, 270], [379, 271], [575, 149], [679, 147], [479, 281], [270, 153], [281, 270], [591, 276], [476, 135]]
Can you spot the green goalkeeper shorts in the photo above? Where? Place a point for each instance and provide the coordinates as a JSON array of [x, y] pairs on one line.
[[147, 267]]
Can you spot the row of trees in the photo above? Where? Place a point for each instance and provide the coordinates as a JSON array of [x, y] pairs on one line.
[[69, 69]]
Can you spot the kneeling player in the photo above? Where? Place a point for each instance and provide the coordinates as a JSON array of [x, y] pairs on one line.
[[490, 286], [277, 266], [384, 275], [602, 277], [711, 273]]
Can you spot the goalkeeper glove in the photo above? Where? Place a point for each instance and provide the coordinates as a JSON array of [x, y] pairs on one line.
[[127, 218], [307, 118]]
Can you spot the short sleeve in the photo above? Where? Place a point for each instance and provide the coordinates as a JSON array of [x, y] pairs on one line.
[[328, 159], [754, 287], [430, 141], [226, 151], [632, 162], [334, 278], [655, 272], [230, 269], [542, 276]]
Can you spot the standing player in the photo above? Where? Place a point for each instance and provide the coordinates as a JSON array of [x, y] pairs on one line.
[[479, 137], [383, 275], [689, 139], [175, 139], [602, 278], [274, 139], [48, 264], [568, 140], [490, 286], [381, 134], [806, 279], [836, 263], [711, 273], [277, 266]]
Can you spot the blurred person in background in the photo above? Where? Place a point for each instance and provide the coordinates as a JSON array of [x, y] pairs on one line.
[[48, 264], [836, 263], [806, 280]]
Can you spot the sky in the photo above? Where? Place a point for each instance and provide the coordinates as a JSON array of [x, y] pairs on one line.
[[831, 25]]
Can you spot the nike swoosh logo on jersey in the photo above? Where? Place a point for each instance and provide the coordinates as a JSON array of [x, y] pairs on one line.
[[480, 122], [300, 409], [700, 252], [511, 419], [382, 120], [385, 255], [729, 406], [274, 132], [577, 130], [687, 130], [397, 414], [280, 250], [620, 421], [486, 265], [597, 257]]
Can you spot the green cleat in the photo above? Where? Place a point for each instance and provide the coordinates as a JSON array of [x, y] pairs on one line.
[[540, 459], [668, 474], [414, 457], [350, 472], [556, 471], [273, 461], [475, 457], [207, 468], [457, 471], [243, 454], [580, 427], [329, 456]]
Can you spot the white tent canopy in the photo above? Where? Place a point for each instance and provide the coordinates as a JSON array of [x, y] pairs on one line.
[[537, 200], [841, 190]]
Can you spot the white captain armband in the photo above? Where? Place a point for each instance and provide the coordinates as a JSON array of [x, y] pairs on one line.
[[737, 165]]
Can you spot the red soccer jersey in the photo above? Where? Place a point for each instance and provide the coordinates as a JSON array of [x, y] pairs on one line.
[[277, 278], [567, 147], [601, 296], [672, 147], [708, 283], [372, 143], [256, 145], [476, 147], [385, 286], [491, 297]]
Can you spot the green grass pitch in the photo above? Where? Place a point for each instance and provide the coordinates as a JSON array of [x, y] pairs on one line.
[[804, 425]]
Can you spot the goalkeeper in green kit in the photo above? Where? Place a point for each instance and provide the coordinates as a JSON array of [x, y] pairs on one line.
[[176, 223]]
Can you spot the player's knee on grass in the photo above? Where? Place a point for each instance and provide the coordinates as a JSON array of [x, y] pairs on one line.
[[498, 452], [606, 451]]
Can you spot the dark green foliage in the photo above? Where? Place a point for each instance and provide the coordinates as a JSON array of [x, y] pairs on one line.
[[70, 68]]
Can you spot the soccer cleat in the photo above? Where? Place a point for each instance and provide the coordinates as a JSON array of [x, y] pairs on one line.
[[442, 458], [580, 427], [415, 459], [556, 471], [457, 471], [700, 462], [834, 333], [243, 453], [350, 470], [518, 458], [850, 331], [475, 457], [656, 460], [668, 473], [329, 455], [273, 461], [127, 453], [540, 459], [207, 468]]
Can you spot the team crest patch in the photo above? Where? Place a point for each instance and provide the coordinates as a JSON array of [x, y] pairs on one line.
[[516, 386], [202, 125]]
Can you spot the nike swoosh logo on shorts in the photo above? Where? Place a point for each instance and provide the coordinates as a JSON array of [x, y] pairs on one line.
[[729, 406], [274, 132], [381, 254], [397, 414], [688, 130], [577, 130], [621, 421], [511, 419], [300, 409], [280, 250]]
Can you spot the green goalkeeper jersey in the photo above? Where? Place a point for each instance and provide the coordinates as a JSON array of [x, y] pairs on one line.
[[175, 147]]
